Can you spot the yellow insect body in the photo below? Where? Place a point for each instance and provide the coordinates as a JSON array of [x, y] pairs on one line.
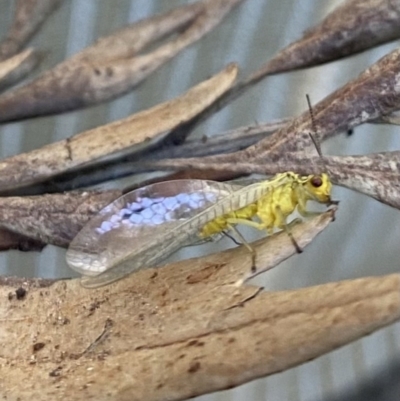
[[272, 209]]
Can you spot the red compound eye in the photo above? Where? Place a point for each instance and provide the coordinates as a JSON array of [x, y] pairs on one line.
[[316, 181]]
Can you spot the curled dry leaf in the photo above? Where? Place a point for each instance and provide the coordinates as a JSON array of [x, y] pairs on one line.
[[51, 219], [139, 129], [17, 67], [112, 67], [173, 324], [29, 17]]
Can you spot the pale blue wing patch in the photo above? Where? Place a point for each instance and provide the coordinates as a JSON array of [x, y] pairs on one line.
[[146, 215], [148, 211]]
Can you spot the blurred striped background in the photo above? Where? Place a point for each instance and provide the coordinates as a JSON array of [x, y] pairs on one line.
[[364, 239]]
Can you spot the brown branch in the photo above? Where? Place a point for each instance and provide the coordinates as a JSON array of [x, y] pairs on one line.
[[372, 95]]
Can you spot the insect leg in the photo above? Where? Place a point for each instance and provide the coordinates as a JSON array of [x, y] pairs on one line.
[[286, 227], [232, 238], [252, 224], [246, 244]]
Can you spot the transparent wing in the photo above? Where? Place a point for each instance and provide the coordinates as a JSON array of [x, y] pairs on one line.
[[134, 221]]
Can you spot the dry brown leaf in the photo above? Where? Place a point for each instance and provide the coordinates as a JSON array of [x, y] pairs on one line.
[[373, 93], [112, 67], [230, 141], [354, 26], [140, 128], [180, 331], [376, 175], [29, 17]]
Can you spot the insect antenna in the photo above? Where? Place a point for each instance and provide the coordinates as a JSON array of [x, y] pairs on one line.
[[315, 142], [314, 127]]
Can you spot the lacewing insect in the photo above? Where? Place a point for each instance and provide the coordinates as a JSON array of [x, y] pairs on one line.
[[145, 226]]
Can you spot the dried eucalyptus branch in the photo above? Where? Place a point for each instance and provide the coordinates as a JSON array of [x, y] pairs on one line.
[[376, 175], [372, 94], [226, 142], [185, 316], [363, 99], [28, 19], [113, 66]]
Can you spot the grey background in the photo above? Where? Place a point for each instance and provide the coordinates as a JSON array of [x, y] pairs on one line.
[[364, 239]]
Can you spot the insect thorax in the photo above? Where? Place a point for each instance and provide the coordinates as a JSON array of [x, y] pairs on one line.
[[287, 192]]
